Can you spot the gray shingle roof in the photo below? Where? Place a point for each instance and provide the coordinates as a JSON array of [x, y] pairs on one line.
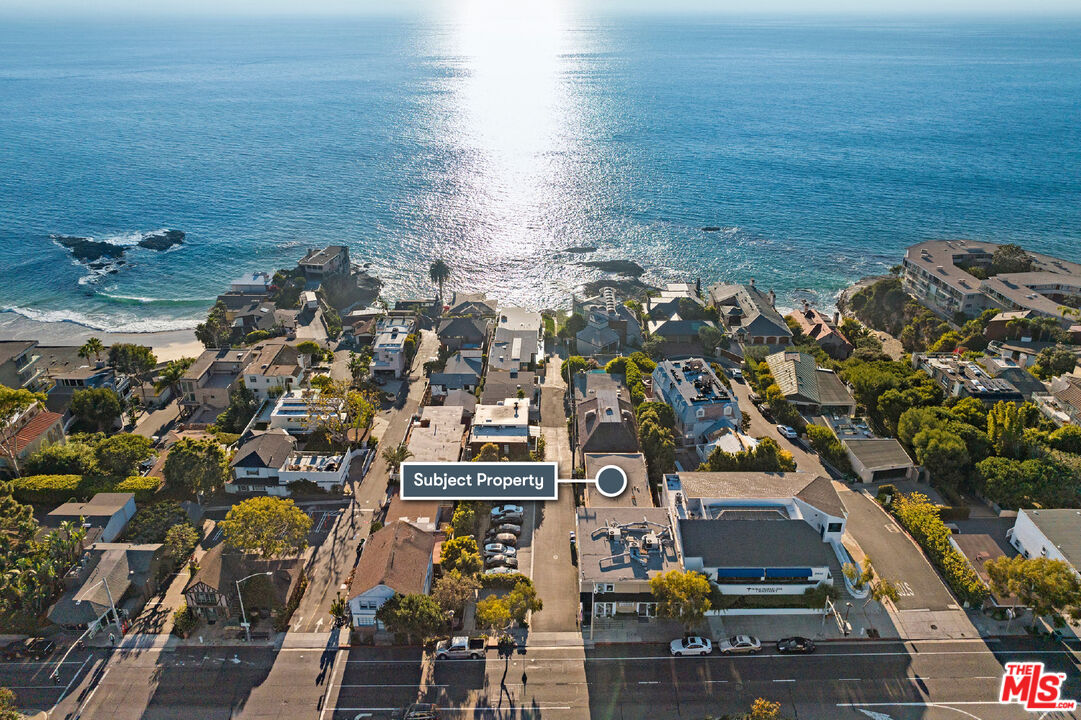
[[265, 450], [754, 543]]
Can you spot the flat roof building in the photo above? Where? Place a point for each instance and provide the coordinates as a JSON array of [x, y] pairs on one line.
[[964, 378]]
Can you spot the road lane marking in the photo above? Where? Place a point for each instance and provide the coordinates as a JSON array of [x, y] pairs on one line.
[[73, 679], [788, 680]]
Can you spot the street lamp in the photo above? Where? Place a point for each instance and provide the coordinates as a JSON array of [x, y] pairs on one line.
[[848, 609], [243, 616]]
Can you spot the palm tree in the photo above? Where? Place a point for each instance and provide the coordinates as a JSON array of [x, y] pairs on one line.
[[439, 273], [395, 456], [94, 347], [171, 375]]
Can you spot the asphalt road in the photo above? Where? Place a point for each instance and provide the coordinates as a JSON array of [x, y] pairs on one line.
[[927, 681]]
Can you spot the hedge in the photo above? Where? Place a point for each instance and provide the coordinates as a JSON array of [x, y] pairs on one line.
[[285, 614], [57, 489], [921, 519], [505, 581]]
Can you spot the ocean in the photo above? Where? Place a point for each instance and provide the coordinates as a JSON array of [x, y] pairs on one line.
[[501, 135]]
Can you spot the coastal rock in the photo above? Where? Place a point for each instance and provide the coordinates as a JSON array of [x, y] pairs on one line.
[[86, 250], [711, 228], [162, 240], [630, 288], [581, 249], [627, 268]]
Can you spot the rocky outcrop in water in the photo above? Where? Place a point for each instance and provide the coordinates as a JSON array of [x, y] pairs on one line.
[[626, 268], [162, 240], [87, 250]]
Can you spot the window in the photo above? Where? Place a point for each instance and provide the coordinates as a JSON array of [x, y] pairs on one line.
[[647, 609], [603, 587], [604, 609], [833, 527]]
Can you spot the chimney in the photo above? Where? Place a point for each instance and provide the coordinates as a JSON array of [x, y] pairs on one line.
[[836, 317], [752, 282], [772, 298]]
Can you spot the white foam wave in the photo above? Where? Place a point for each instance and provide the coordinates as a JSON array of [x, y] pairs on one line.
[[141, 325]]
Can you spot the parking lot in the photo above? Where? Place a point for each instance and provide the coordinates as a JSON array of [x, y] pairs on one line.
[[524, 552]]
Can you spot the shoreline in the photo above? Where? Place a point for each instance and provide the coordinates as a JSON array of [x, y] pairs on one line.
[[167, 344]]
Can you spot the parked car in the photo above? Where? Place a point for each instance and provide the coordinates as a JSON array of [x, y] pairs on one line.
[[513, 518], [504, 539], [501, 561], [692, 645], [416, 711], [788, 432], [795, 645], [40, 648], [737, 374], [739, 644], [460, 647], [500, 549], [501, 510], [502, 570], [509, 528]]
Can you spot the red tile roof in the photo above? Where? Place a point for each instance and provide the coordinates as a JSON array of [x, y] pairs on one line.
[[38, 425]]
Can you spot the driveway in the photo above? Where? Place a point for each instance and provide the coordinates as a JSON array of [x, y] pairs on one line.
[[895, 556], [806, 460]]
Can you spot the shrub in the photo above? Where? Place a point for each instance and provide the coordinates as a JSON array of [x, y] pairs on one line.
[[184, 621], [282, 617], [504, 582], [57, 489], [829, 447], [144, 487], [151, 523], [921, 519]]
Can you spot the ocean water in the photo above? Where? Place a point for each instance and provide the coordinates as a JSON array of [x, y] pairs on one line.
[[503, 133]]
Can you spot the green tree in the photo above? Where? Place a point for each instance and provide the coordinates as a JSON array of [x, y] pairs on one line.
[[766, 456], [943, 454], [312, 349], [120, 455], [1044, 585], [342, 412], [216, 331], [395, 456], [97, 407], [70, 458], [454, 590], [1067, 439], [493, 614], [462, 554], [464, 520], [653, 346], [682, 596], [413, 617], [1054, 361], [199, 465], [658, 446], [241, 409], [9, 710], [660, 413], [1005, 430], [180, 540], [570, 366], [489, 452], [152, 522], [710, 337], [1011, 258], [439, 273], [267, 525], [92, 348], [523, 600], [171, 375]]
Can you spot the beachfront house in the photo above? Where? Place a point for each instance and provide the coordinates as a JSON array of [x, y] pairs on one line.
[[274, 368], [390, 349], [205, 386], [702, 404], [749, 314], [319, 263]]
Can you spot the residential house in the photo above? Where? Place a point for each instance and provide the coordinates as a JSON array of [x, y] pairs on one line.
[[605, 422], [109, 511], [328, 470], [677, 313], [256, 283], [26, 432], [331, 260], [619, 550], [998, 327], [428, 515], [464, 400], [213, 375], [1052, 534], [68, 373], [211, 593], [809, 388], [502, 384], [462, 372], [108, 575], [1026, 383], [397, 559], [873, 459], [506, 425], [389, 348], [610, 325], [438, 433], [1022, 351], [19, 367], [257, 315], [702, 404], [301, 412], [463, 333], [633, 464], [257, 462], [750, 314], [274, 368], [726, 439], [518, 342], [822, 330], [964, 378], [757, 533], [1066, 392], [464, 304]]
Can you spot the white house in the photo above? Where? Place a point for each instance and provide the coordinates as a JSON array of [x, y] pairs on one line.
[[298, 412], [388, 349], [396, 559], [108, 511], [274, 368], [257, 463], [1053, 534], [327, 470]]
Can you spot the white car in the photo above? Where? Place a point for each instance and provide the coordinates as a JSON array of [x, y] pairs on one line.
[[739, 644], [500, 549], [692, 645], [501, 570], [788, 432], [737, 374], [501, 510]]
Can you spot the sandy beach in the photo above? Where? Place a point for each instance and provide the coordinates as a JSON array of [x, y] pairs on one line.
[[167, 344]]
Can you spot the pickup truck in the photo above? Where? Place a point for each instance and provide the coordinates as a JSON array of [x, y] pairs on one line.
[[460, 647]]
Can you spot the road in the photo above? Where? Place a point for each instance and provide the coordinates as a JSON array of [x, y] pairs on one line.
[[806, 460], [925, 681]]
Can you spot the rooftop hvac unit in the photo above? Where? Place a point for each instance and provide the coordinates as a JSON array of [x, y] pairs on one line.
[[614, 533]]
